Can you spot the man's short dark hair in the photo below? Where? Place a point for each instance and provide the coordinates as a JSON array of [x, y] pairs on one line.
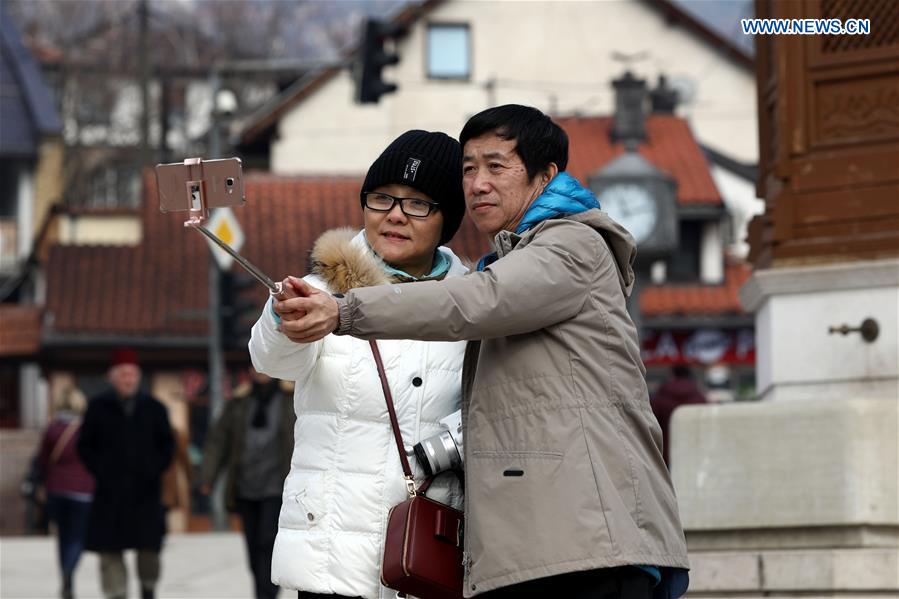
[[539, 141]]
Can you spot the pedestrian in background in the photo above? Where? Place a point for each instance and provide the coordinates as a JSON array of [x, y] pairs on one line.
[[678, 390], [126, 442], [176, 482], [32, 489], [253, 440], [69, 486]]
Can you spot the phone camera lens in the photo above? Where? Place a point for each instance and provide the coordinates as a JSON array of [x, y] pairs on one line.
[[229, 182]]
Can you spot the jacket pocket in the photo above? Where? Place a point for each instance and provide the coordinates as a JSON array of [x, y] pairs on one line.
[[303, 508], [531, 509]]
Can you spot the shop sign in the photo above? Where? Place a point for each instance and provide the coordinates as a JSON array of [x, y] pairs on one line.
[[699, 346]]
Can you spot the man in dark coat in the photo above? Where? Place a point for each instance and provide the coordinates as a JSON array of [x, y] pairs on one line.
[[677, 391], [126, 442], [253, 440]]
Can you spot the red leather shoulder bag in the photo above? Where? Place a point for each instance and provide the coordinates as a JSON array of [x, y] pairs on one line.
[[423, 542]]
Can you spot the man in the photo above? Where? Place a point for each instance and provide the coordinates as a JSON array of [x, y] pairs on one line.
[[253, 438], [567, 493], [677, 391], [126, 442]]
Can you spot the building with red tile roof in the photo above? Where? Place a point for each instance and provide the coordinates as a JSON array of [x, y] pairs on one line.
[[671, 148], [92, 290], [684, 312], [153, 296]]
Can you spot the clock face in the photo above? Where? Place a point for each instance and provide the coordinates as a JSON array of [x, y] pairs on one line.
[[633, 207]]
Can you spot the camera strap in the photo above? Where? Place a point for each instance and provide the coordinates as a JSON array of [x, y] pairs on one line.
[[397, 435]]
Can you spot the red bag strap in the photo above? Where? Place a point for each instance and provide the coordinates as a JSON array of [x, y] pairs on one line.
[[63, 440], [407, 470]]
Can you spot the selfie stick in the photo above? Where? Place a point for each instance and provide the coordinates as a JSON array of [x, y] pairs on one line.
[[198, 214], [273, 287]]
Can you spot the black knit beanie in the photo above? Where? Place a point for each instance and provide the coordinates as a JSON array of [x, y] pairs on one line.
[[428, 162]]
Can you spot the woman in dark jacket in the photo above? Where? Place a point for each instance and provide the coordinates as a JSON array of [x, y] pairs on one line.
[[70, 487]]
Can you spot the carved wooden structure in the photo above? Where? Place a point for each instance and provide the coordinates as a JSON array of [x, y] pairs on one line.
[[829, 137]]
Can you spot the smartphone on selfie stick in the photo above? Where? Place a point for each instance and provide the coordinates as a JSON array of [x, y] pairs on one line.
[[196, 185]]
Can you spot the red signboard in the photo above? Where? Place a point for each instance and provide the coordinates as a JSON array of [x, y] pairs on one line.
[[699, 346]]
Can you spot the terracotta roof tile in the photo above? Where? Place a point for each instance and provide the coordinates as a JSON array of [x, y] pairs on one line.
[[20, 329], [670, 146], [693, 300], [160, 288]]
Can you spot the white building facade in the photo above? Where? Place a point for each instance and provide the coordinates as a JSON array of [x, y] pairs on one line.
[[462, 56]]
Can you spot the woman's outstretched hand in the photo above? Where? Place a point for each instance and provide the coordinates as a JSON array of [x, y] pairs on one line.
[[307, 313]]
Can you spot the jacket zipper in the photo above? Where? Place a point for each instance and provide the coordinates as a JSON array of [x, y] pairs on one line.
[[466, 400]]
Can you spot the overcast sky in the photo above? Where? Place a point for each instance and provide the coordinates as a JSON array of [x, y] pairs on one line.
[[724, 17]]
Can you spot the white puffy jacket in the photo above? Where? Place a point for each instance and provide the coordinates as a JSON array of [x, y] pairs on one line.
[[345, 473]]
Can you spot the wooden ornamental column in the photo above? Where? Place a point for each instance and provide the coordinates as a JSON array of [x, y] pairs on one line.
[[796, 494], [828, 137]]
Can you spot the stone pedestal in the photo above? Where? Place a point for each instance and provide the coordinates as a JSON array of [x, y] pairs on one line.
[[789, 497], [795, 308], [798, 494]]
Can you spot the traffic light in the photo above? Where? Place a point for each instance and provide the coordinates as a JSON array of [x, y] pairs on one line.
[[371, 58], [237, 309]]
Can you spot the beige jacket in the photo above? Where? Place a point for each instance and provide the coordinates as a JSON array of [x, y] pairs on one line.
[[563, 455]]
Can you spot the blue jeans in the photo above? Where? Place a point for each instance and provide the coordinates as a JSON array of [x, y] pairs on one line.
[[70, 516]]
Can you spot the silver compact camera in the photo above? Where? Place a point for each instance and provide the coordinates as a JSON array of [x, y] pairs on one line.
[[443, 451]]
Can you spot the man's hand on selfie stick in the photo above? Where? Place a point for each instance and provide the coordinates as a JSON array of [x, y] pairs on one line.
[[307, 314], [288, 291]]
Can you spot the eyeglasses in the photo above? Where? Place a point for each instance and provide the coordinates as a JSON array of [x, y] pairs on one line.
[[384, 202]]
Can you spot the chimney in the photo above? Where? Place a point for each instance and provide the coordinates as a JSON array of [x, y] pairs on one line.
[[664, 98], [630, 110]]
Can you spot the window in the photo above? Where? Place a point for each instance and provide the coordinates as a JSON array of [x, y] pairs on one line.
[[94, 100], [448, 52], [9, 209], [9, 396], [113, 186], [683, 264]]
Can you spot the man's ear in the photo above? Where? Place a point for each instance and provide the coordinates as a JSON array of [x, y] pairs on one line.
[[549, 173]]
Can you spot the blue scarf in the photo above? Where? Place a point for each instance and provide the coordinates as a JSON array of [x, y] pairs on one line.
[[442, 265], [563, 196]]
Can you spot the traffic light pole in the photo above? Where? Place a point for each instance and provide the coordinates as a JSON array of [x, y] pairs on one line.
[[216, 375], [216, 355], [369, 88]]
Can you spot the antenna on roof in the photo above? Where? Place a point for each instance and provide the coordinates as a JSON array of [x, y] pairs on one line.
[[629, 59]]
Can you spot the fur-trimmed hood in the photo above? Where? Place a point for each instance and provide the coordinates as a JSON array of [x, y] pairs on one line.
[[343, 260]]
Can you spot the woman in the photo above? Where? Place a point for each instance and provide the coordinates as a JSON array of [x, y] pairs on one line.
[[345, 473], [70, 486]]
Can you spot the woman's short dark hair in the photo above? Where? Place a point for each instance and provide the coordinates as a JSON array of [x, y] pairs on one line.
[[538, 140]]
